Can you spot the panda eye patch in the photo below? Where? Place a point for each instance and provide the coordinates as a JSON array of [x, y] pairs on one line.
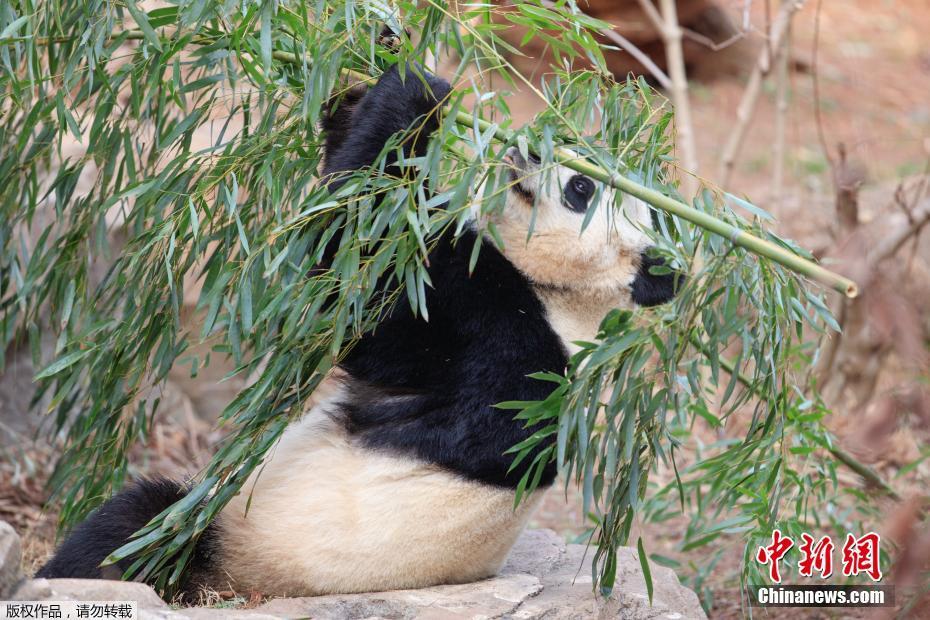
[[578, 192]]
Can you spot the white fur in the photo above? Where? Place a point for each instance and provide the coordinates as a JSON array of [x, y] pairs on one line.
[[579, 273], [328, 516]]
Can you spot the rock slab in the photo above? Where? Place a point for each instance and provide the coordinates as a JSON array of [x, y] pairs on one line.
[[10, 559], [543, 578]]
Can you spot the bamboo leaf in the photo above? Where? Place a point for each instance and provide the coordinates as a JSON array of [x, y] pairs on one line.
[[142, 21], [62, 363], [644, 563]]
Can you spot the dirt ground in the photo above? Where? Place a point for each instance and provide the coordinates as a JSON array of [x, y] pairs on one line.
[[873, 63]]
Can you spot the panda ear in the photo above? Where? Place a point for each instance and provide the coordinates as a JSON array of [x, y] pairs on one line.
[[390, 39], [337, 117]]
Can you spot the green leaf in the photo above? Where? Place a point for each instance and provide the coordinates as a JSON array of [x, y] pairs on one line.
[[62, 363], [13, 27], [142, 21], [644, 563], [265, 38]]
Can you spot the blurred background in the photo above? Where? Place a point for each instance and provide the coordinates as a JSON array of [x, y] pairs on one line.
[[819, 112]]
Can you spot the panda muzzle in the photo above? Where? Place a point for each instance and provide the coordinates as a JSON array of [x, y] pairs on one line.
[[650, 289]]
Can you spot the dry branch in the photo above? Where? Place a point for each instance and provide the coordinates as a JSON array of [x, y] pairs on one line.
[[684, 127], [781, 113], [918, 218], [747, 105], [627, 45]]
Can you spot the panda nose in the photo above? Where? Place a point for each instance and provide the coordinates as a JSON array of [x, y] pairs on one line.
[[650, 289]]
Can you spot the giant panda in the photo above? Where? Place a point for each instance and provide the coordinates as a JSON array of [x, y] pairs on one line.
[[398, 476]]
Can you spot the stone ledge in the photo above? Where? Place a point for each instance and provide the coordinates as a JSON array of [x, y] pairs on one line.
[[543, 578]]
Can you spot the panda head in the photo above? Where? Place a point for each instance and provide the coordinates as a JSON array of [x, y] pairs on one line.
[[608, 259]]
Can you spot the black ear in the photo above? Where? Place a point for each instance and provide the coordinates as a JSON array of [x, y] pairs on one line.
[[337, 117], [338, 111], [390, 39]]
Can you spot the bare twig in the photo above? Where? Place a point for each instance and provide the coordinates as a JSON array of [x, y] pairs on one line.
[[918, 218], [709, 43], [653, 14], [626, 45], [815, 76], [767, 46], [667, 25], [747, 15], [781, 112], [751, 95]]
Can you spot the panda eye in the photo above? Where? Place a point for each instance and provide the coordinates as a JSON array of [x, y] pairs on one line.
[[578, 192]]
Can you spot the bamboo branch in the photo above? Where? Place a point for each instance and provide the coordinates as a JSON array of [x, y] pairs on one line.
[[865, 472], [626, 45], [613, 178], [751, 95]]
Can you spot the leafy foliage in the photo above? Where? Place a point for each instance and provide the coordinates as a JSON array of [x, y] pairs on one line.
[[104, 107]]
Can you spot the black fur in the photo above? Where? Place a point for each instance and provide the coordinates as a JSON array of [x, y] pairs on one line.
[[427, 388], [391, 106], [651, 289], [433, 384], [577, 193], [111, 526], [424, 389], [337, 118]]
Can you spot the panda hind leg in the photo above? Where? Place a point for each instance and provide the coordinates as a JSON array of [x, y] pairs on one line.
[[113, 524]]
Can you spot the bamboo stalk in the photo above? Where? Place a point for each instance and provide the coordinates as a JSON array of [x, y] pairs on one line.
[[658, 200]]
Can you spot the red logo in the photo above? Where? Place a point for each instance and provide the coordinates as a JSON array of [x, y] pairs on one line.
[[817, 557], [861, 555], [773, 553]]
